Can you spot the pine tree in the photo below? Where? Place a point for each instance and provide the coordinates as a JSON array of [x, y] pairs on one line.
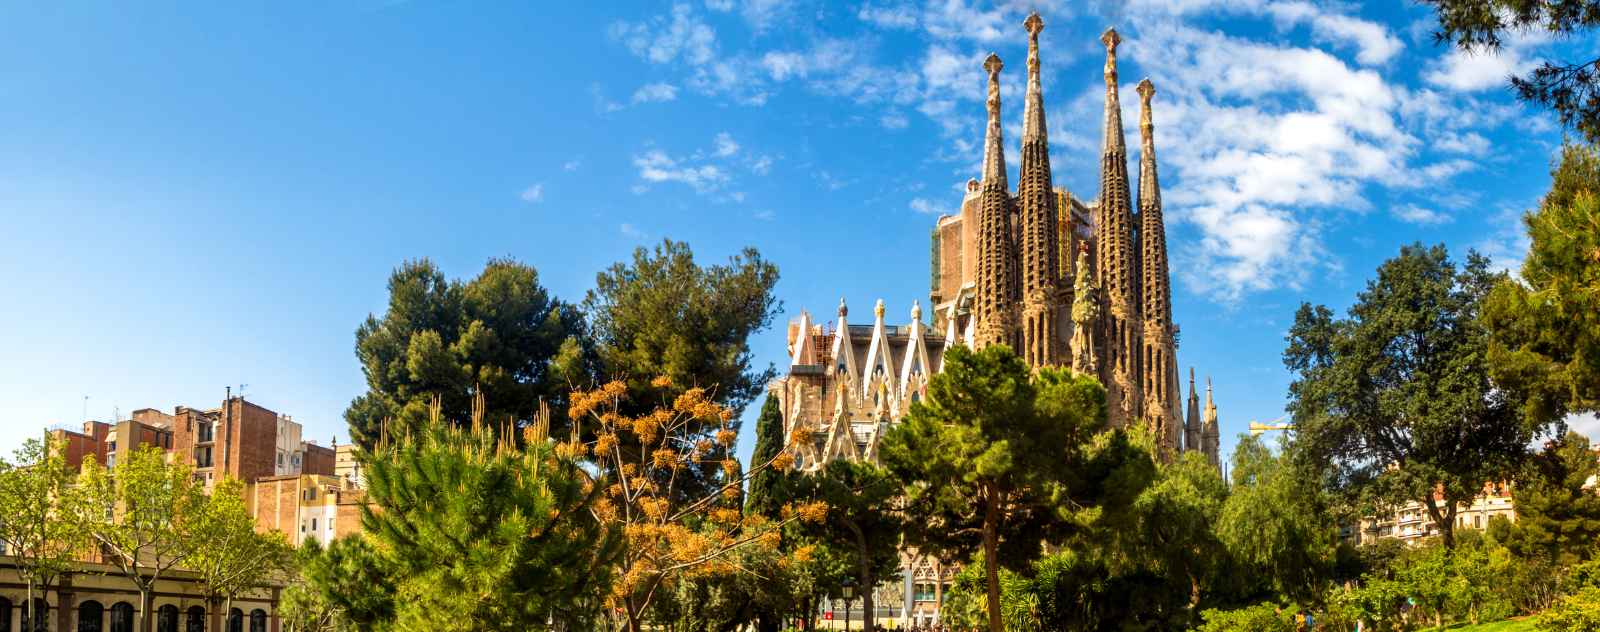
[[1558, 514], [482, 533], [764, 485]]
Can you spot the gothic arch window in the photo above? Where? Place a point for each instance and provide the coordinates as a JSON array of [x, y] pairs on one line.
[[194, 619], [235, 620], [167, 618], [5, 615], [258, 620], [122, 617], [40, 623], [89, 614]]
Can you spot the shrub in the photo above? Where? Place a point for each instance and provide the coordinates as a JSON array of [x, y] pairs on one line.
[[1262, 617], [1577, 612]]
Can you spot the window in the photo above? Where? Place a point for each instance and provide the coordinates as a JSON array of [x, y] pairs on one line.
[[5, 615], [314, 521], [89, 613], [167, 618], [43, 620], [205, 432], [194, 619], [122, 617], [258, 620], [235, 620], [202, 456], [280, 458]]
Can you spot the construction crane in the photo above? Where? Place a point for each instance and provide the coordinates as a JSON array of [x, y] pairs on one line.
[[1257, 428]]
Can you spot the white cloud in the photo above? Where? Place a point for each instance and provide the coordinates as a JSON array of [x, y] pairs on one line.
[[1509, 242], [1473, 71], [666, 38], [629, 230], [902, 16], [723, 145], [655, 93], [766, 215], [656, 166], [571, 165], [762, 165], [1587, 425], [533, 194], [1413, 214], [894, 120], [1374, 44], [928, 207]]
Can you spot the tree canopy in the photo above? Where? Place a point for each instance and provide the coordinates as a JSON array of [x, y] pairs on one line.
[[498, 335], [1545, 324], [1569, 87], [994, 458], [1395, 402]]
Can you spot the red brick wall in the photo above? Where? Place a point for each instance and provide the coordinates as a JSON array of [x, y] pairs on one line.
[[275, 503], [251, 435], [317, 460]]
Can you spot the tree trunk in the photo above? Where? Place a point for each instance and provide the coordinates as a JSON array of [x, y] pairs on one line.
[[33, 617], [144, 607], [991, 555], [864, 576]]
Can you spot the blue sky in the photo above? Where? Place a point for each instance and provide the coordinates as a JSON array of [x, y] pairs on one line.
[[199, 196]]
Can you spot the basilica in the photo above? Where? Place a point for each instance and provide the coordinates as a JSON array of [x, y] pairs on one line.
[[1063, 281]]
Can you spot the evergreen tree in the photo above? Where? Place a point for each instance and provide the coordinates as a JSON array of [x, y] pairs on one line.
[[1571, 88], [992, 455], [1558, 509], [498, 335], [1395, 403], [1277, 524], [478, 532], [348, 583], [1545, 325], [765, 485], [862, 523]]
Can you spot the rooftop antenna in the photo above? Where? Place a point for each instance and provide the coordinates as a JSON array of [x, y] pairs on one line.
[[241, 390], [86, 408]]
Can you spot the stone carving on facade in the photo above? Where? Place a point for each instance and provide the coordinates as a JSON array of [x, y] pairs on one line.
[[1085, 313]]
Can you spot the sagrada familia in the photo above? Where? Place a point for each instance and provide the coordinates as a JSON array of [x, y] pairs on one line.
[[1063, 282]]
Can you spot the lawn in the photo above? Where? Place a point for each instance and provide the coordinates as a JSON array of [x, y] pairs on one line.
[[1509, 625]]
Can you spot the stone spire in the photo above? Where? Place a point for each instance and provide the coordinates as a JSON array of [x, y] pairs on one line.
[[1191, 429], [995, 300], [1159, 348], [1211, 435], [1118, 269], [1041, 267]]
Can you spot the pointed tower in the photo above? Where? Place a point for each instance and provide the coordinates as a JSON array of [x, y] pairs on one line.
[[995, 301], [1159, 350], [1041, 267], [1191, 426], [1118, 273], [1211, 435]]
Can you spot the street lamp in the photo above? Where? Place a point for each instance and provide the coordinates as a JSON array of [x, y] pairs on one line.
[[849, 593]]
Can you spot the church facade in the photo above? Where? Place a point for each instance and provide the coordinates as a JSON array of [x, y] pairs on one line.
[[1063, 281]]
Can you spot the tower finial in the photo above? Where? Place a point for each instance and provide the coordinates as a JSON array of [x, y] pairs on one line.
[[994, 159], [877, 310], [1111, 39], [916, 310], [843, 311]]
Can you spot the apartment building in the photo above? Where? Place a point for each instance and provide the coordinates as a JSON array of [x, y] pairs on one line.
[[1410, 522], [306, 506]]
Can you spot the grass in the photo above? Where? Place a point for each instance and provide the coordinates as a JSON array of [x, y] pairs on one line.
[[1509, 625]]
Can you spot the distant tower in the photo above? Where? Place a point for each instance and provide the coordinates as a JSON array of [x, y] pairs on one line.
[[996, 302], [1192, 426], [1158, 365], [1041, 263], [1211, 436], [1118, 272]]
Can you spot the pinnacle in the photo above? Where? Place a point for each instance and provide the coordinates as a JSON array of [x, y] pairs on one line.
[[1146, 89], [1034, 23], [993, 64], [1111, 39]]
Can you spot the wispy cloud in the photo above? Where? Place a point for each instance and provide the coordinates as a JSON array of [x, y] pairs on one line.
[[1413, 214], [533, 194], [927, 206], [655, 93], [723, 145], [656, 166], [707, 171], [572, 165]]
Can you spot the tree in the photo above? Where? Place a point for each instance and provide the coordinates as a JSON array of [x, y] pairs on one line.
[[1571, 88], [664, 315], [765, 487], [1277, 523], [1558, 512], [37, 525], [230, 556], [669, 534], [499, 335], [862, 521], [990, 457], [1395, 402], [142, 516], [1545, 324], [349, 583], [474, 526]]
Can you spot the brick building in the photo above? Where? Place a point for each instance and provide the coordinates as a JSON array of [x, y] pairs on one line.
[[306, 506]]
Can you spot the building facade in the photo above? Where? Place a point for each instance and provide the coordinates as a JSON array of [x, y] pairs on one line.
[[94, 597], [1063, 281]]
